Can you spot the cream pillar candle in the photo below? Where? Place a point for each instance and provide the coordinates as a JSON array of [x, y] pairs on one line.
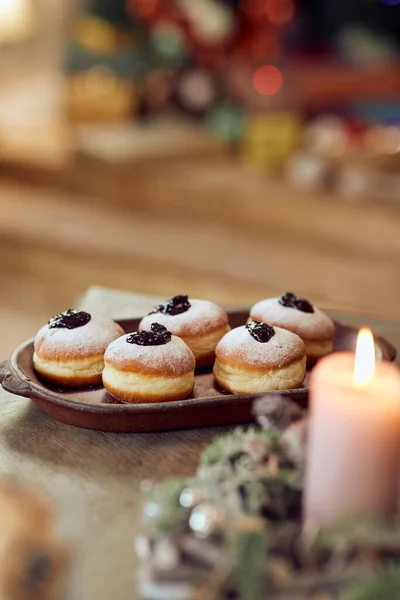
[[353, 454]]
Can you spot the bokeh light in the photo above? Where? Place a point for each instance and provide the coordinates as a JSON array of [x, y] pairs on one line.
[[15, 19], [211, 23], [168, 41], [267, 80], [279, 12], [143, 8], [197, 91]]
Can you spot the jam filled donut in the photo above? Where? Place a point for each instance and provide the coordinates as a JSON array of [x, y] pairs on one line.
[[149, 366], [314, 327], [201, 324], [259, 358], [69, 350]]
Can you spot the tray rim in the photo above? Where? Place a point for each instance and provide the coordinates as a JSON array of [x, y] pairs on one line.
[[33, 390]]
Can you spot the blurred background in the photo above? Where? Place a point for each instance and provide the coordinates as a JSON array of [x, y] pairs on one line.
[[228, 149]]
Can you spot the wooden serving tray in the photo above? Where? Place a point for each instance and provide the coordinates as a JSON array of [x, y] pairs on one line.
[[95, 408]]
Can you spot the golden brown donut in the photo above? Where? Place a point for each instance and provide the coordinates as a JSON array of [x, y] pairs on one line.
[[245, 365], [69, 350], [315, 328], [149, 366], [200, 323]]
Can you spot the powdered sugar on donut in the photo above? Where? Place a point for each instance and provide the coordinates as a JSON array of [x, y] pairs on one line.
[[89, 340], [172, 359], [239, 348], [202, 317], [316, 326]]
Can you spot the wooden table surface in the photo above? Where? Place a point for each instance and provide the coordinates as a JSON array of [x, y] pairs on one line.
[[95, 476]]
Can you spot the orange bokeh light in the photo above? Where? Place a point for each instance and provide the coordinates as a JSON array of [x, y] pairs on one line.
[[143, 8], [267, 80], [279, 12]]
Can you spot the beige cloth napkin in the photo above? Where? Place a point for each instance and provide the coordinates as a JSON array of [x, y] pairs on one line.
[[117, 304]]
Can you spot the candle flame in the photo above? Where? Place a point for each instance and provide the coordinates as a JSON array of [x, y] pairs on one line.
[[364, 364]]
